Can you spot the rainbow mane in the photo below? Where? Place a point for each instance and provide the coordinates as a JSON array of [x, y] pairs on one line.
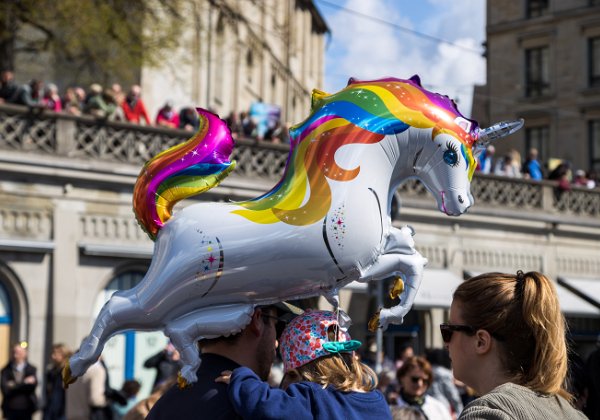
[[362, 113], [182, 171]]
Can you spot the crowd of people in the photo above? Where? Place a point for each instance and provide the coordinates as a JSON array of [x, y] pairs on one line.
[[511, 165], [114, 104], [505, 337]]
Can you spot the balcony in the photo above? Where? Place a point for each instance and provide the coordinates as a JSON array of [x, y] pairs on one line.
[[64, 146]]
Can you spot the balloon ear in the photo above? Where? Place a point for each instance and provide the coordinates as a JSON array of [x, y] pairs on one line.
[[317, 99], [416, 79]]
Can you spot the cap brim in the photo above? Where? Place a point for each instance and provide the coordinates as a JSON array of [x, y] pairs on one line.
[[287, 309]]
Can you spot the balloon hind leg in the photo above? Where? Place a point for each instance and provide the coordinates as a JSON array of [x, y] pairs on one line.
[[400, 256], [184, 333], [106, 325]]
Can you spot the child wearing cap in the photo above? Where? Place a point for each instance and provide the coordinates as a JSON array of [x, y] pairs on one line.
[[323, 378]]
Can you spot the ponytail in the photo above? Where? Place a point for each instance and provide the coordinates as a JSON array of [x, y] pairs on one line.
[[541, 313]]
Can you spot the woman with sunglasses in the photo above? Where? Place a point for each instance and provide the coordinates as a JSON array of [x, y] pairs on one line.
[[415, 377], [506, 338]]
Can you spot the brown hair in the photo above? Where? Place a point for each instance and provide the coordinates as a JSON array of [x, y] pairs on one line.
[[415, 362], [522, 312], [343, 371]]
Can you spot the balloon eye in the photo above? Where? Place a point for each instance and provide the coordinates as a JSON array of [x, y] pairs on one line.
[[450, 157]]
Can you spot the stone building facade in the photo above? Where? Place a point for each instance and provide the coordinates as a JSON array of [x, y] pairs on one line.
[[234, 53], [543, 65]]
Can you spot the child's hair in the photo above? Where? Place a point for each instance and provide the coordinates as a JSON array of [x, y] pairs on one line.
[[316, 347], [343, 371]]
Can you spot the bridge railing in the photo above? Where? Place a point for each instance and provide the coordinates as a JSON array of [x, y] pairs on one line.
[[49, 134]]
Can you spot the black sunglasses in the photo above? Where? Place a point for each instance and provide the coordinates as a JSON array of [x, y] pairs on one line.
[[280, 323], [448, 329], [416, 379]]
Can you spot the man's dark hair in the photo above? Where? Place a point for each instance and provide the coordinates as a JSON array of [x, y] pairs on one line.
[[233, 338]]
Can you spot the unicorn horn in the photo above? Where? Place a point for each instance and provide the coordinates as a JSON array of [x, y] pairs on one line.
[[498, 130]]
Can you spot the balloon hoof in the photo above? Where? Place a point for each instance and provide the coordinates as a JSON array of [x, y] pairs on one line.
[[182, 383], [397, 288], [374, 322], [67, 377]]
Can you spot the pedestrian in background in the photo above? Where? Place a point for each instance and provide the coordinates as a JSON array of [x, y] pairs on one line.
[[415, 377], [134, 108], [166, 363], [18, 381], [86, 398], [532, 168], [54, 393]]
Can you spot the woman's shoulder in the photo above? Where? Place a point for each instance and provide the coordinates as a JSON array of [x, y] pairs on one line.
[[434, 408], [512, 401]]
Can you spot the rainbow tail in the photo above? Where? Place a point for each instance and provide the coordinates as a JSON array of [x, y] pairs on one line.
[[182, 171]]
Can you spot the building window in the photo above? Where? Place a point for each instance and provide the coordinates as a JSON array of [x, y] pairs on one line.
[[594, 139], [594, 61], [124, 281], [537, 8], [537, 71], [538, 138], [249, 65]]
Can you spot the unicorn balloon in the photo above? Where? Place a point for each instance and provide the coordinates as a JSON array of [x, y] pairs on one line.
[[325, 224]]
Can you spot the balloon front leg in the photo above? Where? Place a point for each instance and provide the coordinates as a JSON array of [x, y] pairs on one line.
[[400, 256], [121, 306], [395, 314]]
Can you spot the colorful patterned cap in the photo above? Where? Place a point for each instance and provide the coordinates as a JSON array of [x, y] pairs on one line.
[[305, 338]]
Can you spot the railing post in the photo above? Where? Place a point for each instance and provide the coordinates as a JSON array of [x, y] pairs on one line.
[[65, 136], [548, 198]]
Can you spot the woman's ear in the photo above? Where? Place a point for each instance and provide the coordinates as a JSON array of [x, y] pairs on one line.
[[483, 342]]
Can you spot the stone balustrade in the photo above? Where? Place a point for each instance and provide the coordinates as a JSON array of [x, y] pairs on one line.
[[50, 135]]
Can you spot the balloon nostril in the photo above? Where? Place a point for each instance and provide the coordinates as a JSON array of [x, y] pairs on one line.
[[460, 199]]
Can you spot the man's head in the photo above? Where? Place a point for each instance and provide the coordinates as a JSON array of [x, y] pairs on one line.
[[95, 89], [135, 91], [255, 346], [533, 153], [6, 76], [19, 353]]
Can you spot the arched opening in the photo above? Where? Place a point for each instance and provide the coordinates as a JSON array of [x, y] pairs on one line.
[[5, 321], [13, 312], [125, 354]]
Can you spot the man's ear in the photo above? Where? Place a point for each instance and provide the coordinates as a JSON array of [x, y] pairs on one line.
[[256, 323], [483, 342]]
